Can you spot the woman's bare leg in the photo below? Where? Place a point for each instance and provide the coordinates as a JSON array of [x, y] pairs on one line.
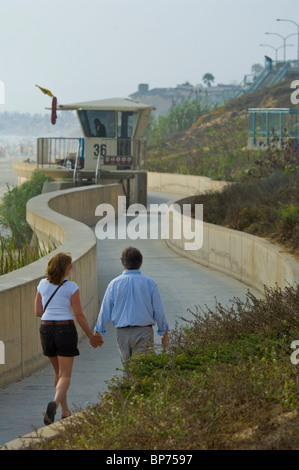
[[62, 378]]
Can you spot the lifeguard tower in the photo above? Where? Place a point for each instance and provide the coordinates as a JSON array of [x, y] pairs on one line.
[[273, 128], [113, 147]]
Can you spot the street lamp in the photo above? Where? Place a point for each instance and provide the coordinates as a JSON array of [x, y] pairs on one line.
[[296, 24], [275, 48], [284, 42]]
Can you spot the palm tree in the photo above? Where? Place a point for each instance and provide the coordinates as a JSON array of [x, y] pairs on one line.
[[208, 78]]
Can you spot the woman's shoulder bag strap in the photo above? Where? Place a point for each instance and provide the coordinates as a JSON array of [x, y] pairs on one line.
[[54, 294]]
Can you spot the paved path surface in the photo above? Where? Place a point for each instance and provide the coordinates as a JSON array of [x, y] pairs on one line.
[[182, 285]]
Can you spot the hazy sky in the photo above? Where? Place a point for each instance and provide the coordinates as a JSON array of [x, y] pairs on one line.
[[93, 49]]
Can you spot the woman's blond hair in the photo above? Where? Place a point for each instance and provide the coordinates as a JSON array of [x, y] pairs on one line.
[[57, 267]]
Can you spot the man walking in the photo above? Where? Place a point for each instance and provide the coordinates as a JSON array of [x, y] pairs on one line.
[[133, 303]]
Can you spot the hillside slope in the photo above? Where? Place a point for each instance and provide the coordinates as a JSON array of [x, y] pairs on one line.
[[216, 145]]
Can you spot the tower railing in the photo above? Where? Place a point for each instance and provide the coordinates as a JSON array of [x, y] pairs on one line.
[[68, 152]]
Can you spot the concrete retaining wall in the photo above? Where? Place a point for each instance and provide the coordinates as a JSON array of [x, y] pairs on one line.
[[245, 257], [187, 185], [61, 217]]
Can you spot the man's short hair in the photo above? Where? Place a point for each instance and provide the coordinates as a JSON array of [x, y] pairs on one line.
[[131, 258]]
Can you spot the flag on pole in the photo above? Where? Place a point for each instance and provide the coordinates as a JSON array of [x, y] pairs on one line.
[[45, 91]]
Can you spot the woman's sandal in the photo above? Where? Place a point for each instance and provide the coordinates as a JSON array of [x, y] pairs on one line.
[[50, 413]]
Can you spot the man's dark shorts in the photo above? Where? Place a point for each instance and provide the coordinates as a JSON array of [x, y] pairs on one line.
[[59, 340]]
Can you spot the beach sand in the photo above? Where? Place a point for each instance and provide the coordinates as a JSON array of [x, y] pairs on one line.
[[7, 174]]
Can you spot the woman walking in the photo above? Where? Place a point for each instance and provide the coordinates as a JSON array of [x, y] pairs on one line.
[[57, 302]]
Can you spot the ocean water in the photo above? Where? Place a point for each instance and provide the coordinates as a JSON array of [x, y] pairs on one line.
[[7, 174]]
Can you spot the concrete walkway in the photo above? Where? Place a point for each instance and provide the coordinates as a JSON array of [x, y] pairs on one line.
[[182, 285]]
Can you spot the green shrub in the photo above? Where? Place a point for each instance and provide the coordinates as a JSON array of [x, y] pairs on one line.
[[13, 208], [289, 216], [179, 119]]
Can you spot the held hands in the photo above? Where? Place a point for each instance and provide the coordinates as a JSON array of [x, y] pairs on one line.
[[96, 340]]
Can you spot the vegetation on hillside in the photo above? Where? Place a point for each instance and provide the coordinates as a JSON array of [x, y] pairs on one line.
[[220, 153], [215, 145], [265, 203], [179, 119]]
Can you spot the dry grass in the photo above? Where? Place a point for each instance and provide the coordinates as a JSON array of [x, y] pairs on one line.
[[267, 207]]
